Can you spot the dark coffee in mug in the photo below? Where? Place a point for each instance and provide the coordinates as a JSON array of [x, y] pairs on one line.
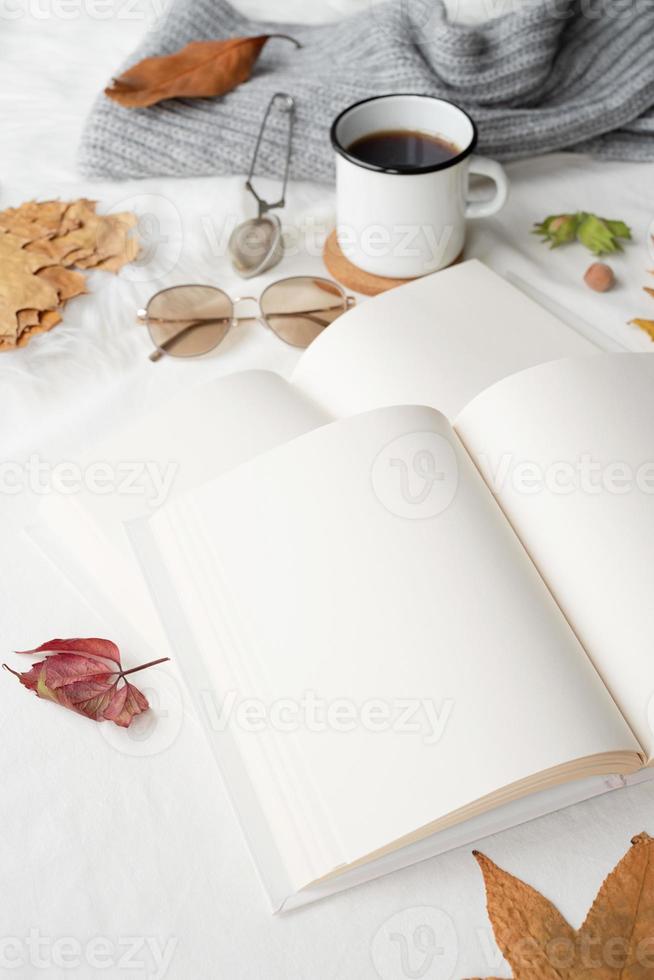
[[398, 216], [403, 149]]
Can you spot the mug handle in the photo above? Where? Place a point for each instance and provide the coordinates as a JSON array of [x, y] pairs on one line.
[[488, 168]]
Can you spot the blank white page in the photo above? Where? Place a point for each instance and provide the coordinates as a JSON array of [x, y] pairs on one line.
[[194, 437], [569, 450], [438, 341], [323, 568]]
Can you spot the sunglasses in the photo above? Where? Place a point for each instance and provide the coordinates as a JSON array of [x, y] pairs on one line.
[[188, 321]]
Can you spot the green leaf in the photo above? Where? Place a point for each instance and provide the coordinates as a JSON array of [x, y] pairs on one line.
[[599, 235], [618, 228], [542, 228], [596, 235], [558, 229], [565, 230]]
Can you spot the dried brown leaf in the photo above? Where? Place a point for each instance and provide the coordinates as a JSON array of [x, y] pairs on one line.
[[199, 70], [27, 318], [94, 239], [20, 287], [114, 263], [67, 283], [7, 312], [113, 241], [57, 246], [76, 215], [56, 249], [616, 941], [621, 919], [45, 321], [35, 274], [527, 927], [35, 219], [81, 237]]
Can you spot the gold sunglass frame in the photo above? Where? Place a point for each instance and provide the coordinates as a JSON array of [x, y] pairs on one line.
[[143, 317]]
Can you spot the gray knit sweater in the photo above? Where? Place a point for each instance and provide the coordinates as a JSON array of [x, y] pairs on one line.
[[558, 74]]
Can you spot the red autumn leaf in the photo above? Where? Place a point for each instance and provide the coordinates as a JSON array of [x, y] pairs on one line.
[[81, 674], [88, 647], [199, 70]]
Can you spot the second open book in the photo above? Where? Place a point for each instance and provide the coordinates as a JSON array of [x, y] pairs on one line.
[[411, 590]]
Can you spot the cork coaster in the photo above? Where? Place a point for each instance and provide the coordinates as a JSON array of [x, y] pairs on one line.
[[350, 276]]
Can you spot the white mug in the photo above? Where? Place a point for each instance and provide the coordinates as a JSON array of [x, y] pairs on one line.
[[407, 223]]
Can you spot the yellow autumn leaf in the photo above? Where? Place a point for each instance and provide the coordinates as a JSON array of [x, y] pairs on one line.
[[646, 325]]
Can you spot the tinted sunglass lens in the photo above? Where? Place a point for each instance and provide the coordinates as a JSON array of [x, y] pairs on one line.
[[186, 321], [298, 309]]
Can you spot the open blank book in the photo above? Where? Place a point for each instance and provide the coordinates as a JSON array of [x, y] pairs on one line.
[[410, 590]]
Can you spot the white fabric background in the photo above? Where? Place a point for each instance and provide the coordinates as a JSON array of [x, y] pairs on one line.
[[107, 835]]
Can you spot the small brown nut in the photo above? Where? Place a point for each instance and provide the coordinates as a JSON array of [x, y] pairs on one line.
[[599, 276], [556, 223]]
